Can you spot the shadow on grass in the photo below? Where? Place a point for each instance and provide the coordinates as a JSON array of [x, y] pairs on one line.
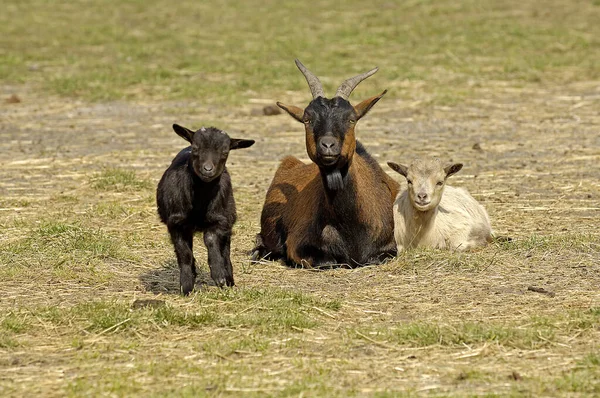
[[165, 280]]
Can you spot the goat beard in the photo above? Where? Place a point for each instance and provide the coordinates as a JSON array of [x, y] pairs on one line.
[[335, 180]]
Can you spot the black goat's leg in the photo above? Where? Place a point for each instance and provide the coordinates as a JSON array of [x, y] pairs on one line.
[[183, 242], [225, 251], [213, 239]]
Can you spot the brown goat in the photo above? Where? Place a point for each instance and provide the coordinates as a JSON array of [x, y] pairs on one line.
[[338, 209]]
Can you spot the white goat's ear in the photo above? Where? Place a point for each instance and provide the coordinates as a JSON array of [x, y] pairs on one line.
[[237, 143], [399, 168], [183, 132], [294, 111], [452, 169]]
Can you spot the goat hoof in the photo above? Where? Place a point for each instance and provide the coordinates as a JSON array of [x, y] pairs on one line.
[[186, 290], [220, 282], [255, 255], [186, 286]]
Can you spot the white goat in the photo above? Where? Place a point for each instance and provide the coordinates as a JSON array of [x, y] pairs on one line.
[[424, 217]]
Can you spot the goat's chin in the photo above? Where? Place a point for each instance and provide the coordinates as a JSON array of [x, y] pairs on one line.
[[423, 208], [207, 178], [335, 180]]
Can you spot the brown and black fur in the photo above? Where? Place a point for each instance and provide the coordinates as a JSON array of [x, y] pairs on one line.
[[336, 210]]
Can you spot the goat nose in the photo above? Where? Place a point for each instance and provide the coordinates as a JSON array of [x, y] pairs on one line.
[[328, 142], [208, 167], [422, 196]]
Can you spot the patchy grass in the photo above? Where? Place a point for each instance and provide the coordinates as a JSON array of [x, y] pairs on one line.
[[535, 333], [228, 53], [80, 240], [584, 378], [11, 325], [55, 238], [119, 180], [265, 311], [429, 322], [63, 250]]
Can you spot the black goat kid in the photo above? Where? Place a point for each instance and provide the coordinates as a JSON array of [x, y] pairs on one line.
[[195, 195]]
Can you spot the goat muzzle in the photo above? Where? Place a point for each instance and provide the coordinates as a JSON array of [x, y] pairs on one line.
[[328, 150]]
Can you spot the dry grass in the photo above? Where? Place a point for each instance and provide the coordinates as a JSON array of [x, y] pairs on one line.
[[81, 245], [75, 256]]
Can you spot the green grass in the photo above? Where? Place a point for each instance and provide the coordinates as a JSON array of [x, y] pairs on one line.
[[421, 259], [97, 316], [216, 52], [535, 333], [584, 378], [64, 249], [264, 311], [11, 325], [119, 180], [420, 334]]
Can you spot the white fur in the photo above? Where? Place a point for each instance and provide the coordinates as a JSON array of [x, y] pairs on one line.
[[458, 222]]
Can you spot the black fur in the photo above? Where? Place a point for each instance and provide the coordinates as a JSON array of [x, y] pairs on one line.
[[195, 195]]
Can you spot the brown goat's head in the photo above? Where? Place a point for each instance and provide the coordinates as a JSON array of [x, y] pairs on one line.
[[329, 125]]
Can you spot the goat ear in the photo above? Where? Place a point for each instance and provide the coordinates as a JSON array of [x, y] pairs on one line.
[[183, 132], [237, 143], [364, 107], [294, 111], [452, 169], [399, 168]]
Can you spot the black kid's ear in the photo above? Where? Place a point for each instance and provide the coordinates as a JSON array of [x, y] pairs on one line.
[[399, 168], [183, 132], [452, 169], [294, 111], [237, 143], [364, 107]]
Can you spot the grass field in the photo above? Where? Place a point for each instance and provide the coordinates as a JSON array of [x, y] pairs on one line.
[[89, 300]]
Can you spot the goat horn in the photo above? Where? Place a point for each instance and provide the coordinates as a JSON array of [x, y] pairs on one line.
[[349, 85], [313, 82]]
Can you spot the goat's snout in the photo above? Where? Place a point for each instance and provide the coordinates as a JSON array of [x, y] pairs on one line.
[[207, 170], [329, 150], [422, 198], [328, 144]]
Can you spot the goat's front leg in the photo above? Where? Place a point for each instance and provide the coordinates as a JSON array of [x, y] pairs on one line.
[[225, 250], [217, 243], [183, 242]]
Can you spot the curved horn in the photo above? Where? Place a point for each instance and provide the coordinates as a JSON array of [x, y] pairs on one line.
[[313, 82], [350, 84]]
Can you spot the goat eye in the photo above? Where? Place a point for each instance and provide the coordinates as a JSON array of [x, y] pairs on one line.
[[409, 182], [440, 183], [352, 121], [307, 121]]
